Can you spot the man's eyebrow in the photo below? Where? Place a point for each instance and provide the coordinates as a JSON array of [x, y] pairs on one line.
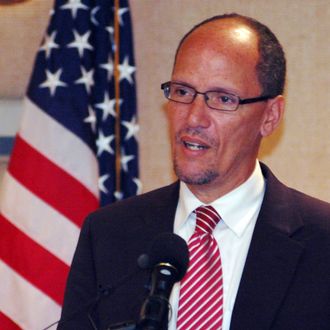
[[182, 83], [211, 89]]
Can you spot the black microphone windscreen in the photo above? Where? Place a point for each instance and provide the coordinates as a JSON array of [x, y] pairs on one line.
[[170, 248]]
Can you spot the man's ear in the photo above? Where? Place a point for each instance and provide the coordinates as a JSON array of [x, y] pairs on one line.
[[272, 116]]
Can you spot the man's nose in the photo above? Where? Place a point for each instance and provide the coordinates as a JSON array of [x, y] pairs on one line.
[[198, 112]]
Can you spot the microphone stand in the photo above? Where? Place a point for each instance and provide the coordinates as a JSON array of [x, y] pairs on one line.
[[155, 309], [154, 316]]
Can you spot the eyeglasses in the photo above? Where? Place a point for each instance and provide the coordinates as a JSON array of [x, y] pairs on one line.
[[218, 100]]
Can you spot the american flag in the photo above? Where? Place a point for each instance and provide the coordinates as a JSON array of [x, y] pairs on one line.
[[76, 149]]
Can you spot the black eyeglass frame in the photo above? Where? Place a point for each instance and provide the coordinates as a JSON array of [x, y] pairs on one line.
[[261, 98]]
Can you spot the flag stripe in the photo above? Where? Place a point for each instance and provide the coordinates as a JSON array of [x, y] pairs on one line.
[[60, 145], [27, 258], [7, 323], [74, 201], [33, 311], [47, 232]]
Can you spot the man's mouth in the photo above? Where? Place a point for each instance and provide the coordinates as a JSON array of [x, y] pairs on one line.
[[194, 146]]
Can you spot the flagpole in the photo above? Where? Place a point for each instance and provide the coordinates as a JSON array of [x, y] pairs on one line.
[[117, 95]]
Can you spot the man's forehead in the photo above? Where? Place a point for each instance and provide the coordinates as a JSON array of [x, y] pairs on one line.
[[230, 29], [222, 37]]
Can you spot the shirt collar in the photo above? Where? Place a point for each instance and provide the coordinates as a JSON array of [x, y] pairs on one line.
[[237, 208]]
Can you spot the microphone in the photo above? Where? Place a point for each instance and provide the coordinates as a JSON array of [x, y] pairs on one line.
[[168, 258]]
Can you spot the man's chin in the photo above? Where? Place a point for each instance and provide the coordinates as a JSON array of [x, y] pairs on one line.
[[196, 178]]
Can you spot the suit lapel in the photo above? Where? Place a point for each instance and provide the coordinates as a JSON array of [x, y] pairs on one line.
[[271, 262]]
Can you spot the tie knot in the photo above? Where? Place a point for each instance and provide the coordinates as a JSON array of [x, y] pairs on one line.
[[206, 219]]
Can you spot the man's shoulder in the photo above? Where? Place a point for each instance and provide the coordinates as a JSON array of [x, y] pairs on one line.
[[280, 198], [311, 207], [167, 195]]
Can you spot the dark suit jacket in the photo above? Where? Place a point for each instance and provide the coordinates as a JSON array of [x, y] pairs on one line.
[[285, 282]]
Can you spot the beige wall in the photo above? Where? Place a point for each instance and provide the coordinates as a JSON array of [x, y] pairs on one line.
[[301, 157], [299, 153]]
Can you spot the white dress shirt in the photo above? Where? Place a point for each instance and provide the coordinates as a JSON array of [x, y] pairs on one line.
[[239, 210]]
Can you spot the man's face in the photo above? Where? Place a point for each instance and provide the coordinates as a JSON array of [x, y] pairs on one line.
[[214, 151]]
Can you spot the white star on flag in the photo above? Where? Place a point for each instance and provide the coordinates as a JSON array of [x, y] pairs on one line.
[[80, 42], [139, 185], [86, 79], [109, 67], [111, 31], [132, 128], [49, 44], [121, 12], [124, 159], [126, 70], [93, 15], [103, 143], [107, 106], [53, 81], [101, 183], [91, 119], [118, 195], [74, 6]]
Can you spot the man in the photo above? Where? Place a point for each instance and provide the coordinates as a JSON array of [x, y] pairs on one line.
[[225, 95]]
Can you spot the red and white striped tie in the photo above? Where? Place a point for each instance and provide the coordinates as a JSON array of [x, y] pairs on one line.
[[201, 292]]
